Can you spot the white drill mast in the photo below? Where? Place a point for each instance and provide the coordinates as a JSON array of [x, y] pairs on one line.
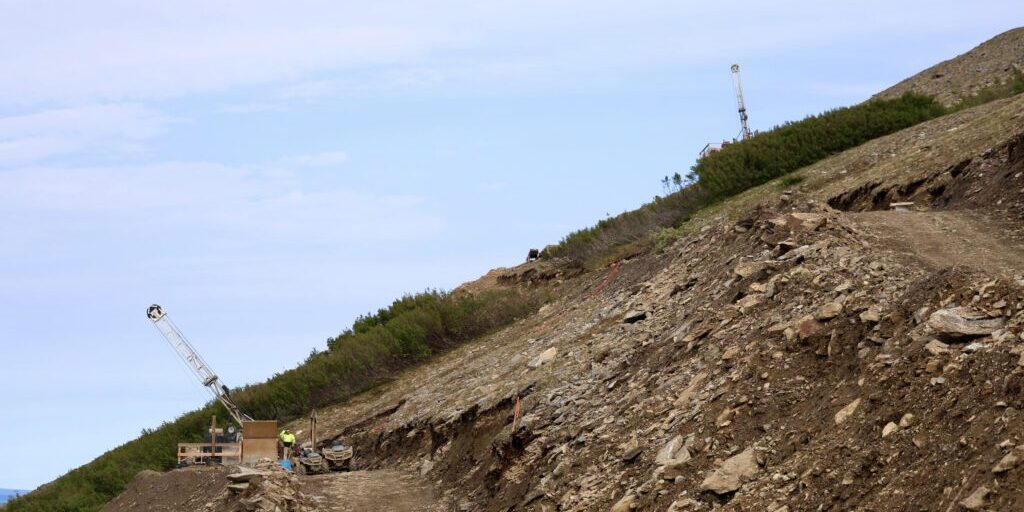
[[745, 130], [194, 362]]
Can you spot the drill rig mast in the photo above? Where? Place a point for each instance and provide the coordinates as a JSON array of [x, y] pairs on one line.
[[745, 131], [187, 353]]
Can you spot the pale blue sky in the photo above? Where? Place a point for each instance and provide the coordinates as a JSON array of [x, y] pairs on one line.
[[269, 170]]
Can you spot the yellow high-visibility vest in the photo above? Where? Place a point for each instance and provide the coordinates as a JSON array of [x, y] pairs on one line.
[[287, 437]]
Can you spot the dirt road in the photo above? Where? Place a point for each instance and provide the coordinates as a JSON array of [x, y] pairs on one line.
[[946, 238], [370, 490]]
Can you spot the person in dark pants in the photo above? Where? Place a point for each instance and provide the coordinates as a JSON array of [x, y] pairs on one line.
[[287, 439]]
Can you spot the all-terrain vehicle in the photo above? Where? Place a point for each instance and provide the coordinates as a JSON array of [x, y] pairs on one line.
[[309, 462], [338, 457]]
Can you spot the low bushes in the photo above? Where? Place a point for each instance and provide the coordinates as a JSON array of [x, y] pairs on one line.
[[748, 163]]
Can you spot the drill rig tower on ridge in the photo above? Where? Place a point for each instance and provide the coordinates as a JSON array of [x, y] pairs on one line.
[[745, 129], [745, 132]]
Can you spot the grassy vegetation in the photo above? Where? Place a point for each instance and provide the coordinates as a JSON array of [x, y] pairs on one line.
[[745, 164], [1011, 87], [764, 157], [374, 350]]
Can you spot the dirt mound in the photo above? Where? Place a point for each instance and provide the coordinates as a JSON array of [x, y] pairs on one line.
[[183, 489], [357, 491], [265, 488], [990, 63]]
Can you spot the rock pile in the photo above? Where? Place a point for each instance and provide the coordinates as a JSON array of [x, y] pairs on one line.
[[790, 365], [266, 487]]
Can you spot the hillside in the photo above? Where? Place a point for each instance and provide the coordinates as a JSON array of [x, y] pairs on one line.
[[798, 346], [723, 372], [990, 63], [796, 349]]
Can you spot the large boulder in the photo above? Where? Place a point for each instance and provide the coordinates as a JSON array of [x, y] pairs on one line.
[[963, 323], [731, 475]]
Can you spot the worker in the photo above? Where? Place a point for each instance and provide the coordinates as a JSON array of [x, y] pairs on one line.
[[287, 439]]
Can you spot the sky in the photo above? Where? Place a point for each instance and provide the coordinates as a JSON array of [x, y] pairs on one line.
[[268, 171]]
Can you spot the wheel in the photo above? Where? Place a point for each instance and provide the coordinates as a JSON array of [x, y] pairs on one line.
[[300, 468]]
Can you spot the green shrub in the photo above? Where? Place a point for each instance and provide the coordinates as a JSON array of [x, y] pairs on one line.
[[662, 238], [1011, 87], [748, 163], [761, 158], [791, 180]]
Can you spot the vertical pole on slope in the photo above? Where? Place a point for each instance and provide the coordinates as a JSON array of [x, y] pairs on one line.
[[744, 128], [312, 430], [213, 438]]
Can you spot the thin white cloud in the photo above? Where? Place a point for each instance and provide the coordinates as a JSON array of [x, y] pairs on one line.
[[117, 50], [254, 107], [324, 159], [236, 204], [31, 137]]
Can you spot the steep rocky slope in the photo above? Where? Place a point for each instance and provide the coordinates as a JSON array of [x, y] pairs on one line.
[[988, 64], [809, 350], [797, 349]]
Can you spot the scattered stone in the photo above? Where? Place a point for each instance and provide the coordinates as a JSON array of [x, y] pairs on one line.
[[871, 315], [746, 269], [750, 301], [963, 323], [673, 453], [684, 504], [974, 346], [1009, 461], [809, 221], [807, 327], [907, 420], [845, 413], [889, 429], [976, 500], [246, 474], [626, 504], [239, 487], [936, 348], [632, 454], [678, 467], [828, 311], [545, 357], [732, 473], [730, 353]]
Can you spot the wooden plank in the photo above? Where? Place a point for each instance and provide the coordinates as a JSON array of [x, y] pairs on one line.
[[259, 430], [255, 449]]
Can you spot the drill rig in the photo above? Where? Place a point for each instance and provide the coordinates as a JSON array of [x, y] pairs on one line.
[[195, 362], [218, 449]]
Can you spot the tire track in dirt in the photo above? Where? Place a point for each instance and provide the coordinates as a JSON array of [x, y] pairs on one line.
[[358, 491], [946, 238]]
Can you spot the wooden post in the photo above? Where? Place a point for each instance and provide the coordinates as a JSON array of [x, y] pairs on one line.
[[312, 430], [213, 438]]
